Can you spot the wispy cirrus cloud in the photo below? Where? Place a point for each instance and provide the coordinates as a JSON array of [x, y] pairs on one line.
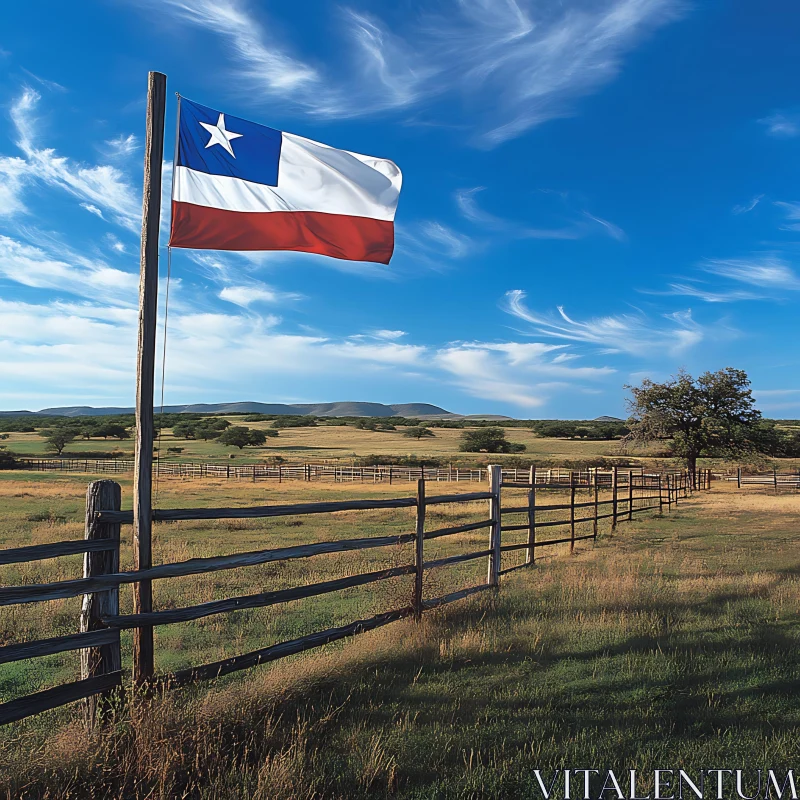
[[518, 64], [709, 295], [103, 187], [746, 208], [792, 211], [782, 125], [525, 374], [635, 334], [767, 271], [255, 292], [122, 146], [432, 242], [582, 223], [52, 265]]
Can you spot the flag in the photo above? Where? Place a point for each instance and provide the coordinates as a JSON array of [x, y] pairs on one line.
[[238, 185]]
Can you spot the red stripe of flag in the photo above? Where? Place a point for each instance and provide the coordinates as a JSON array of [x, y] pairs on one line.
[[336, 235]]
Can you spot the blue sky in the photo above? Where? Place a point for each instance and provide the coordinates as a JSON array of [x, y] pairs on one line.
[[594, 192]]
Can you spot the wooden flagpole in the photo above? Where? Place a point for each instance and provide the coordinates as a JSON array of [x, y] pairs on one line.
[[143, 655]]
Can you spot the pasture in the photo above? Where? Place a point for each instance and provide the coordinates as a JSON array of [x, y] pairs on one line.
[[324, 442], [672, 643]]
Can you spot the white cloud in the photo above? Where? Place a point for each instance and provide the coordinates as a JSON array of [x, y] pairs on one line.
[[710, 295], [114, 243], [55, 266], [766, 271], [430, 241], [454, 245], [93, 210], [792, 215], [103, 187], [582, 225], [246, 295], [14, 174], [524, 374], [782, 125], [390, 335], [122, 146], [514, 64], [746, 208], [635, 334]]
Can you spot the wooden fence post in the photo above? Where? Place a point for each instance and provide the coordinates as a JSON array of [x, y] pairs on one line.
[[571, 511], [614, 501], [495, 481], [660, 496], [775, 478], [530, 553], [596, 504], [419, 549], [739, 478], [100, 496]]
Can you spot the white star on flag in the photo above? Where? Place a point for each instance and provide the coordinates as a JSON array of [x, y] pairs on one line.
[[219, 135]]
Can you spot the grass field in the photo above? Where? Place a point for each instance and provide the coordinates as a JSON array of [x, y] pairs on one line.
[[673, 643], [323, 442]]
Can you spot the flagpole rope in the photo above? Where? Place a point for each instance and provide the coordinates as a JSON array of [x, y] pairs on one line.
[[166, 301]]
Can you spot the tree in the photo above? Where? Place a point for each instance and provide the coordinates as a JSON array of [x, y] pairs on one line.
[[58, 439], [713, 416], [241, 436], [112, 429], [418, 432], [488, 440]]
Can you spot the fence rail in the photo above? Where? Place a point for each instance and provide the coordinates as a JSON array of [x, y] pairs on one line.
[[325, 472], [774, 479], [101, 622]]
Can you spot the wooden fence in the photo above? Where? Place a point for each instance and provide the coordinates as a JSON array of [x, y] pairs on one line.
[[770, 480], [388, 474], [100, 621]]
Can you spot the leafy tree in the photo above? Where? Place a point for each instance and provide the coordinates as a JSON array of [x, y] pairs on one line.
[[241, 436], [713, 415], [58, 438], [418, 432], [112, 429], [488, 440]]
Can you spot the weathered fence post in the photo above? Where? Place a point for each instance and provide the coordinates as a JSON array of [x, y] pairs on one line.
[[775, 478], [419, 549], [495, 481], [100, 496], [530, 553], [596, 504], [571, 511], [739, 478], [614, 501], [660, 496]]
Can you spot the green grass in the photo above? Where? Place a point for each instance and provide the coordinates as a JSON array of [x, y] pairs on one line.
[[310, 444], [673, 643]]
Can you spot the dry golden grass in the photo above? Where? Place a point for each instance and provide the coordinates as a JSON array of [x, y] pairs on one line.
[[674, 642]]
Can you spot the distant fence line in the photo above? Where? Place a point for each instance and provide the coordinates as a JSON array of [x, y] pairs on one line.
[[101, 622], [774, 479], [387, 473]]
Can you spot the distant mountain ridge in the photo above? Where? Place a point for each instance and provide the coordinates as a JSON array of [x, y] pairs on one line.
[[342, 409]]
